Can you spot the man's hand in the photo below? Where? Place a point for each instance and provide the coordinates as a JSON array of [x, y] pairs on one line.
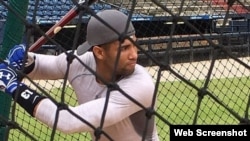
[[25, 97], [8, 79], [16, 56]]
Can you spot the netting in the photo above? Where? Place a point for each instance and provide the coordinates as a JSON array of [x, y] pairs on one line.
[[197, 51]]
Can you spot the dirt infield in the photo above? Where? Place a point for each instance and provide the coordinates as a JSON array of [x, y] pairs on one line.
[[198, 70]]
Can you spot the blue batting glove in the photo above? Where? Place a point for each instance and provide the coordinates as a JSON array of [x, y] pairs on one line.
[[8, 79], [16, 56]]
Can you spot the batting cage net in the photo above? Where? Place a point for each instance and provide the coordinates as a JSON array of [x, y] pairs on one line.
[[197, 52]]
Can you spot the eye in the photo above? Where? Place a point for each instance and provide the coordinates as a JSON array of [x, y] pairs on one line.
[[123, 48]]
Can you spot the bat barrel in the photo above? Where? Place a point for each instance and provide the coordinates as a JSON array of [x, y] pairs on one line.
[[58, 26]]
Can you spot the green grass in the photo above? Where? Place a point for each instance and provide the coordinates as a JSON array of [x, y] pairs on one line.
[[177, 103]]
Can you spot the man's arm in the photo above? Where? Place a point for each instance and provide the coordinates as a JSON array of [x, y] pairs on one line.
[[81, 118], [118, 107]]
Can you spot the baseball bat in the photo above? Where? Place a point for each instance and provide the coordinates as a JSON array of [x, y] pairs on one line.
[[73, 12]]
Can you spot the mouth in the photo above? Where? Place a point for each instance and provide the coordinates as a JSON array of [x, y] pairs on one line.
[[132, 63]]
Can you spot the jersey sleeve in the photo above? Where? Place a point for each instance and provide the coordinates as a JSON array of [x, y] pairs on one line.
[[119, 105], [49, 67]]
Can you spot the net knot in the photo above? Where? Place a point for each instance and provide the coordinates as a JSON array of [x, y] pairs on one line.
[[149, 112], [202, 92], [98, 132]]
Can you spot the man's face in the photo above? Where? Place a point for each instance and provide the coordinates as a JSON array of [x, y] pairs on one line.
[[128, 56]]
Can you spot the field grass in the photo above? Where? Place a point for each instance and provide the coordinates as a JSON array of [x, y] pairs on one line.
[[177, 103]]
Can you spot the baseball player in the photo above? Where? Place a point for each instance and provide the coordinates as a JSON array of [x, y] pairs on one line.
[[116, 82]]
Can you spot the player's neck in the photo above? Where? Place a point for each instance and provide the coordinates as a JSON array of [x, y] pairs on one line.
[[107, 77]]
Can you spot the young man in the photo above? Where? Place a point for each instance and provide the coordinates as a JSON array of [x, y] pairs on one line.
[[124, 119]]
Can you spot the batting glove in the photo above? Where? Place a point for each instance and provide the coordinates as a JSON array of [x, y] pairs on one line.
[[16, 56], [8, 79]]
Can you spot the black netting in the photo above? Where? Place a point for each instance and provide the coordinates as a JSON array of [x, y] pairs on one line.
[[197, 51]]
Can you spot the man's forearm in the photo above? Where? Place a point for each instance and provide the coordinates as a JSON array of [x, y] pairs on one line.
[[27, 98]]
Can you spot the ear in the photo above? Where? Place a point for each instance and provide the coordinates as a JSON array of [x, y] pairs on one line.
[[98, 51]]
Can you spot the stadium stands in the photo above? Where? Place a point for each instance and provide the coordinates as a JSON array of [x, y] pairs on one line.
[[50, 11], [206, 15]]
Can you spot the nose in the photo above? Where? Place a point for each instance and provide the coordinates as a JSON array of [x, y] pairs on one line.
[[133, 53]]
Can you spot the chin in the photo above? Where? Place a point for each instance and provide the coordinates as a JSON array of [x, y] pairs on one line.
[[129, 72]]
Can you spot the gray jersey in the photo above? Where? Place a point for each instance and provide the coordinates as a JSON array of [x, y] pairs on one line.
[[124, 120]]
